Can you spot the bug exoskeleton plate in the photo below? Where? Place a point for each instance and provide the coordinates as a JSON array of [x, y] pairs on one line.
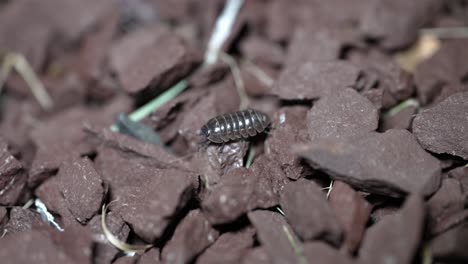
[[236, 125]]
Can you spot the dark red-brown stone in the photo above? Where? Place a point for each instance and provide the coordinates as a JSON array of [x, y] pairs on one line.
[[12, 176], [62, 137], [240, 191], [274, 234], [383, 242], [22, 220], [449, 247], [442, 128], [29, 247], [193, 235], [256, 255], [105, 252], [320, 252], [82, 188], [396, 23], [313, 80], [442, 74], [150, 257], [353, 212], [446, 207], [290, 129], [50, 194], [158, 65], [342, 114], [307, 211], [149, 206], [228, 248], [391, 163]]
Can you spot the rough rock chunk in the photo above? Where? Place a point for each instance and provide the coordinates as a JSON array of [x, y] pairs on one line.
[[32, 34], [401, 119], [391, 163], [290, 129], [307, 210], [319, 252], [382, 73], [446, 207], [22, 220], [342, 114], [218, 160], [396, 23], [261, 51], [3, 216], [31, 247], [327, 44], [353, 212], [150, 206], [442, 128], [274, 234], [50, 194], [461, 174], [443, 73], [12, 176], [193, 235], [229, 247], [47, 245], [104, 252], [62, 137], [256, 255], [313, 80], [150, 257], [383, 242], [82, 188], [158, 66], [238, 192], [449, 247]]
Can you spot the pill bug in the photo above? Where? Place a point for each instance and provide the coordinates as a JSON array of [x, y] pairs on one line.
[[236, 125]]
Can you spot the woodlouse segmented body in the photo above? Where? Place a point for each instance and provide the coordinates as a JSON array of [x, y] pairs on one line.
[[231, 126]]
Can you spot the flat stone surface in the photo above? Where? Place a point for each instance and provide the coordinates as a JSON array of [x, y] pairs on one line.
[[399, 120], [262, 51], [193, 235], [445, 205], [383, 242], [12, 176], [352, 211], [158, 66], [391, 163], [150, 207], [240, 191], [228, 248], [274, 233], [31, 247], [50, 194], [313, 80], [82, 187], [449, 246], [62, 136], [307, 211], [150, 257], [22, 220], [104, 251], [256, 255], [443, 73], [344, 113], [396, 23], [320, 252], [443, 128], [290, 129]]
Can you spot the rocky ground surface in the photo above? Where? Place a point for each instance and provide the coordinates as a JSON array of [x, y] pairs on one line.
[[365, 160]]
